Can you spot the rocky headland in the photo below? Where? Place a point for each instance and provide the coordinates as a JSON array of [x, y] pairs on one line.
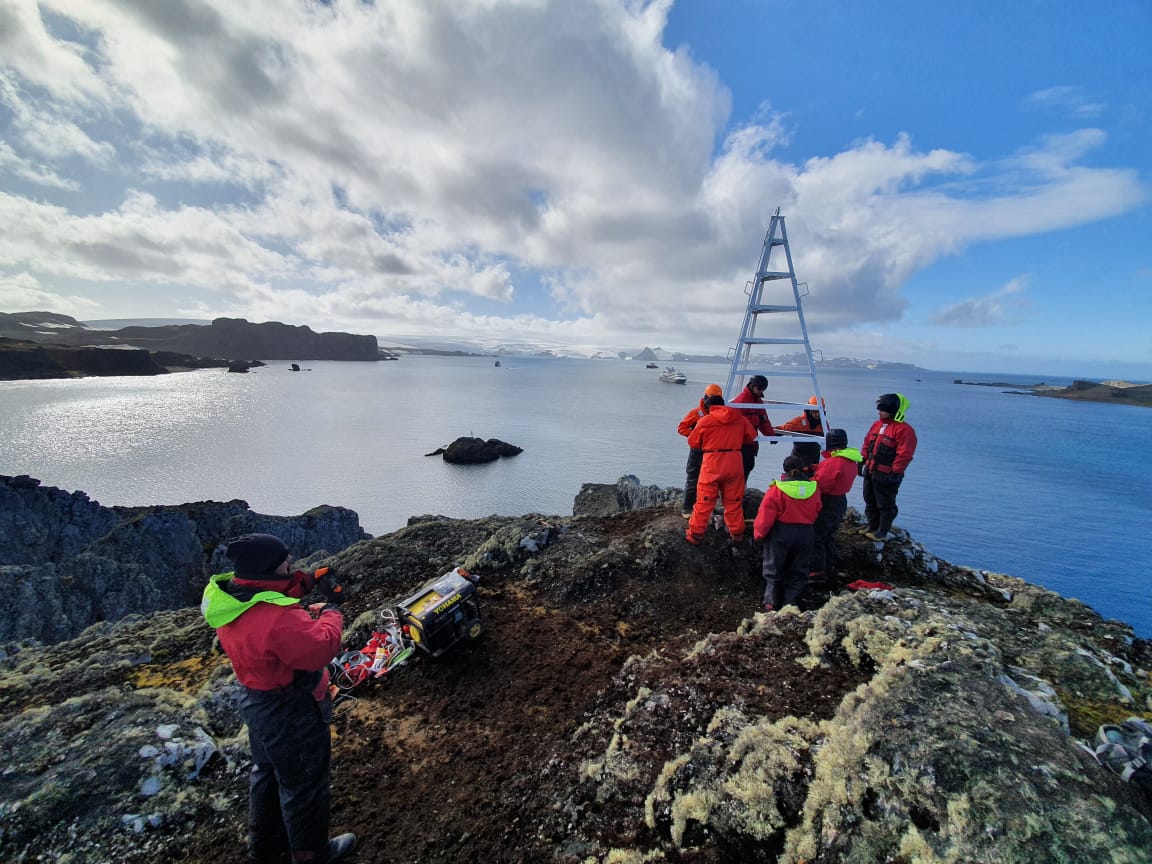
[[46, 344], [1116, 392], [628, 703], [23, 361]]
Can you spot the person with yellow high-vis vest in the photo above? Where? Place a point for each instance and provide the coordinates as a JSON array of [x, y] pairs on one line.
[[784, 525]]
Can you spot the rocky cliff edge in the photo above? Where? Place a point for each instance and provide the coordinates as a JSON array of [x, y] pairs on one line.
[[67, 562], [627, 704]]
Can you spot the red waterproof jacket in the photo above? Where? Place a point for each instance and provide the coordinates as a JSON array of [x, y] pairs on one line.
[[889, 447], [720, 434], [269, 636], [757, 419], [837, 471], [792, 502], [691, 419]]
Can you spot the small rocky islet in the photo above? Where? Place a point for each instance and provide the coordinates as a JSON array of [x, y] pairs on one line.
[[627, 702]]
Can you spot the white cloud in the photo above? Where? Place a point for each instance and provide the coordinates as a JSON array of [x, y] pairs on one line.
[[1000, 307], [22, 292], [1065, 100], [25, 169], [398, 165]]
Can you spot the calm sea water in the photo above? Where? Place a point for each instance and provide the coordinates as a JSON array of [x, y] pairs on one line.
[[1055, 492]]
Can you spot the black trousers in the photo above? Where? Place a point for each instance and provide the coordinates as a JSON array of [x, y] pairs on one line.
[[880, 490], [288, 793], [832, 510], [748, 452], [787, 551], [692, 477]]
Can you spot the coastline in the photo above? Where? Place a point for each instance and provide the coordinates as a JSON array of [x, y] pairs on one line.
[[1112, 392]]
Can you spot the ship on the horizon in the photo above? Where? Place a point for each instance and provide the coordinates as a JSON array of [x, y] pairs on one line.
[[671, 375]]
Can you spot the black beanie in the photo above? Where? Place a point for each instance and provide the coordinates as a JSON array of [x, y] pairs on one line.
[[257, 556], [837, 439]]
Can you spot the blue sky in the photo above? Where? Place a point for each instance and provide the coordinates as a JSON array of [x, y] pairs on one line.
[[966, 186]]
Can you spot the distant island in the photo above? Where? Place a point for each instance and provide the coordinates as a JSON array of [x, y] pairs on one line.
[[50, 345], [1122, 392]]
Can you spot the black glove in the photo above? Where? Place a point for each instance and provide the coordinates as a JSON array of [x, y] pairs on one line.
[[328, 587]]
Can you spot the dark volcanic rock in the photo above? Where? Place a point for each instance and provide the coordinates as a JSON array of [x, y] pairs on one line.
[[25, 360], [225, 337], [67, 562], [472, 451], [170, 359], [236, 337]]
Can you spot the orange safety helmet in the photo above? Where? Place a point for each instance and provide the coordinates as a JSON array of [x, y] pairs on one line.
[[713, 390], [812, 401]]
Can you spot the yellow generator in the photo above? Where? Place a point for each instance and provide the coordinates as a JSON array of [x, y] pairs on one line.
[[442, 612]]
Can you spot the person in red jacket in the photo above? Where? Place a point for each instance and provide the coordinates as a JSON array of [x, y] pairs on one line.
[[720, 434], [888, 448], [695, 457], [280, 654], [784, 525], [753, 394], [834, 477]]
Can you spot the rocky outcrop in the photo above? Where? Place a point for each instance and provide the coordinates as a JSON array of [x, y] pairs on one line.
[[475, 451], [604, 499], [174, 360], [238, 338], [21, 360], [1092, 391], [67, 562], [29, 360], [627, 704], [232, 338]]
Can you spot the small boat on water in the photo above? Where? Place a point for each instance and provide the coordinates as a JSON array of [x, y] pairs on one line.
[[651, 366], [671, 375]]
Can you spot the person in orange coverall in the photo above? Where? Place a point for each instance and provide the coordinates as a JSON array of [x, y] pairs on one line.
[[808, 422], [695, 457], [720, 434], [784, 524]]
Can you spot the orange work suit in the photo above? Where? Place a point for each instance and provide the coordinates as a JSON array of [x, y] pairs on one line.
[[808, 422], [720, 434]]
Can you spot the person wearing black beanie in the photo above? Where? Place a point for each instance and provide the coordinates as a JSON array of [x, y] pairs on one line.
[[257, 556], [888, 449], [834, 477], [280, 653]]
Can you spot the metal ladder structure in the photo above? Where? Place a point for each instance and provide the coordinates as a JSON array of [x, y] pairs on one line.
[[774, 294]]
